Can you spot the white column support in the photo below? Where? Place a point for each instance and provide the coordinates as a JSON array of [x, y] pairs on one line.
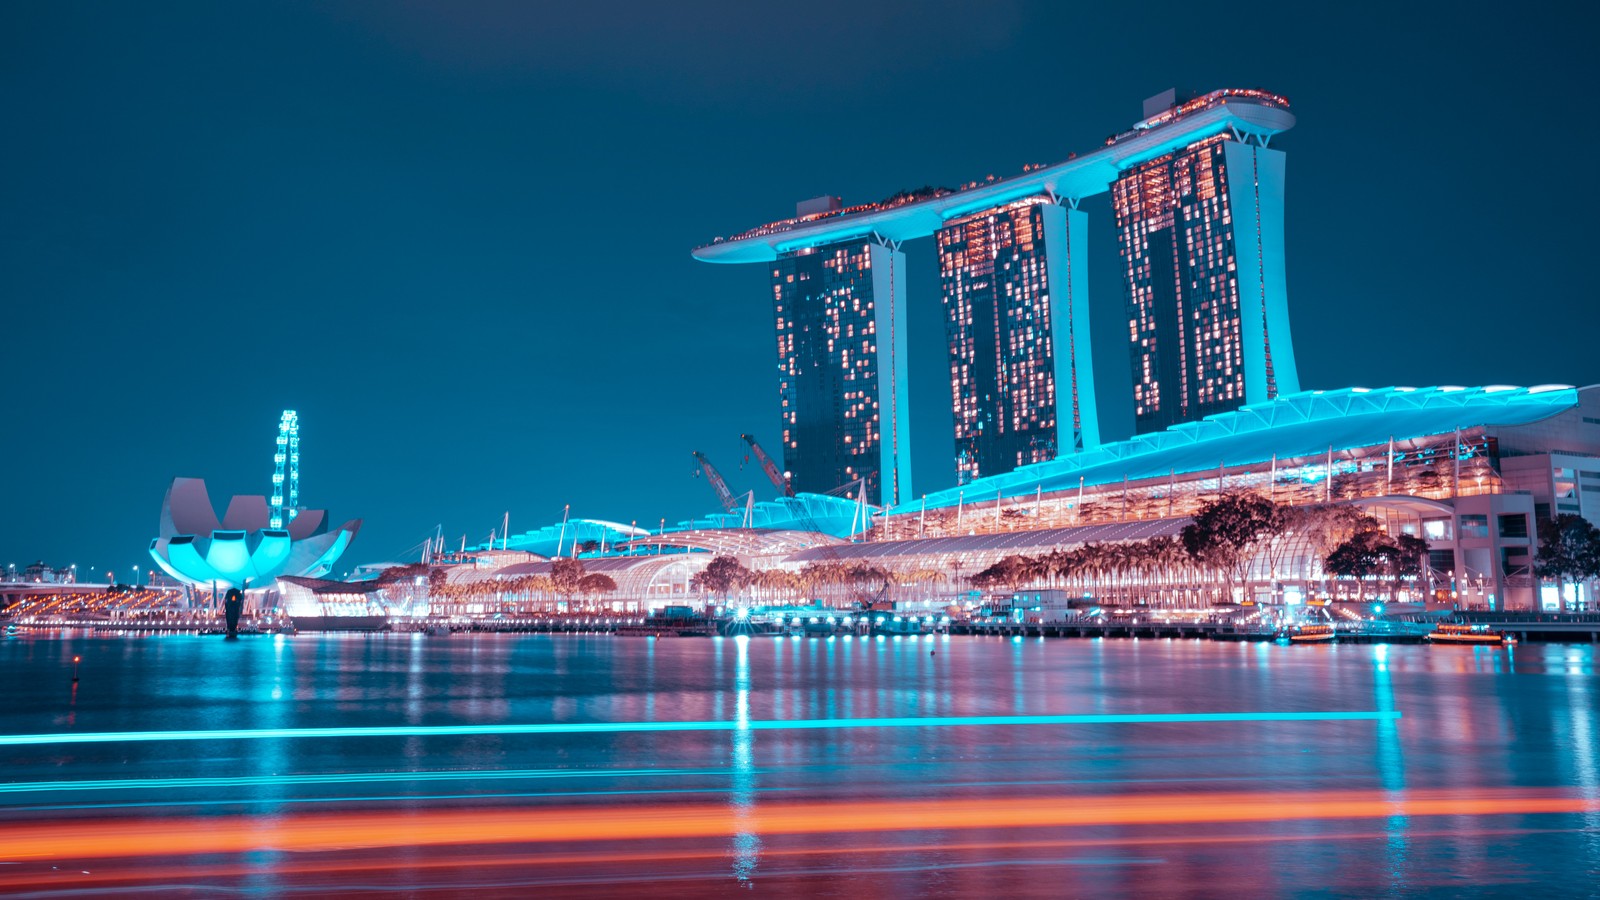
[[1255, 194], [894, 381], [1066, 237]]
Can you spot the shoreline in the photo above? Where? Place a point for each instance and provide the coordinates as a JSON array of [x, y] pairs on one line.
[[1546, 628]]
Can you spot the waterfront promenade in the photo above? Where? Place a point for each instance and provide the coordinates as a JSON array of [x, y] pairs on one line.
[[1411, 629]]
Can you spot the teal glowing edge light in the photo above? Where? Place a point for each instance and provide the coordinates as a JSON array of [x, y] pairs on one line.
[[1302, 424], [570, 728]]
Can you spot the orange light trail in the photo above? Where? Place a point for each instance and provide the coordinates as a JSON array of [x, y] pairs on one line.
[[171, 837], [291, 868]]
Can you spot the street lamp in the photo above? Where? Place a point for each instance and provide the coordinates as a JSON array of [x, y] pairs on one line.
[[135, 576]]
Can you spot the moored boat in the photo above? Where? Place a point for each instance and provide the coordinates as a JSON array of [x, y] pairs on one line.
[[1313, 634], [1451, 633]]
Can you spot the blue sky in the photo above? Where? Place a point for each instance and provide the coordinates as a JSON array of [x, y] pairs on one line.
[[455, 237]]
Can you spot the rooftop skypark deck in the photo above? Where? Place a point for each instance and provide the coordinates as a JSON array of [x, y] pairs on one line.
[[1247, 113]]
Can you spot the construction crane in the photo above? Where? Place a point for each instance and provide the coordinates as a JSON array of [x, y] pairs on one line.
[[780, 480], [724, 496]]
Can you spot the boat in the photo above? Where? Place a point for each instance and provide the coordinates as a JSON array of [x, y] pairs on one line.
[[1451, 633], [1313, 634]]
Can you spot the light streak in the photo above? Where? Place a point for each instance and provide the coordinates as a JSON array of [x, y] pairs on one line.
[[339, 778], [168, 838], [571, 728], [610, 860]]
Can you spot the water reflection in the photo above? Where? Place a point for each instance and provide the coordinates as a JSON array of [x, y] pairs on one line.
[[1391, 762], [1489, 776], [746, 841]]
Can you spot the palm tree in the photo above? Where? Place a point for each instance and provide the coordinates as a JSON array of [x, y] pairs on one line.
[[1092, 568]]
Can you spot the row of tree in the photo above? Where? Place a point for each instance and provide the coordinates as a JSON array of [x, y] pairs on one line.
[[1238, 538], [566, 579], [725, 576], [1233, 541]]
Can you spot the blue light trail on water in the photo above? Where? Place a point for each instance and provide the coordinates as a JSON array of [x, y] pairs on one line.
[[342, 778], [563, 728]]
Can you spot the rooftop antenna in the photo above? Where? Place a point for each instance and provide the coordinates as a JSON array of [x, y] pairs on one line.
[[287, 452], [505, 530]]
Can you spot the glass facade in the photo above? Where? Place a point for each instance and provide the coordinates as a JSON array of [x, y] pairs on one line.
[[994, 281], [1176, 237], [825, 305]]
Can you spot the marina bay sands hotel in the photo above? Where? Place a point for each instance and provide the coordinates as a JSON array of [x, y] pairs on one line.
[[1197, 193]]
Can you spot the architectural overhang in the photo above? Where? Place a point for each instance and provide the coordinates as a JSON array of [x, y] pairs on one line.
[[1081, 176], [1302, 425]]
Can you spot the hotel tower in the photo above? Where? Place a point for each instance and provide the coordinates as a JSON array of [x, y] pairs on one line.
[[1197, 196], [841, 320], [1200, 233]]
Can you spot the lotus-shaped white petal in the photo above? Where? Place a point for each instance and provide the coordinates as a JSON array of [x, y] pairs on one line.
[[247, 513], [241, 550]]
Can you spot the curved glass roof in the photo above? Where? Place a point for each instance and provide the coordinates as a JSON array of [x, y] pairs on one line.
[[547, 540], [738, 541], [1015, 541], [803, 512], [1298, 425], [817, 516]]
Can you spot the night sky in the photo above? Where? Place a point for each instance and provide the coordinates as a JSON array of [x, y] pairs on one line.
[[455, 237]]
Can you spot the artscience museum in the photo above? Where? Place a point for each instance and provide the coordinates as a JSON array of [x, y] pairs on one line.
[[242, 550]]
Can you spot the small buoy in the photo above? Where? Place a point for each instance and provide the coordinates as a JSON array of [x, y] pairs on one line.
[[932, 652]]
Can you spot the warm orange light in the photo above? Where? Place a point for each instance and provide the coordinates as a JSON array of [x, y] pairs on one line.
[[420, 828]]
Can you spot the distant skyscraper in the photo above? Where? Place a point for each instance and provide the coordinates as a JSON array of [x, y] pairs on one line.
[[1200, 231], [1016, 319], [841, 322]]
